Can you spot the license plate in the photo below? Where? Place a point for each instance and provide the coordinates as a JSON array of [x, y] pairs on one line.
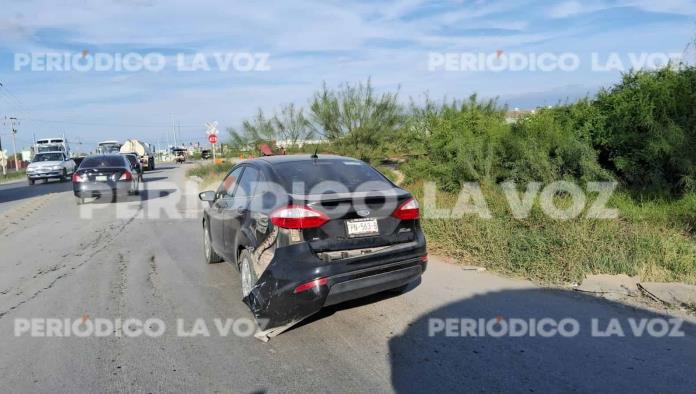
[[362, 227], [101, 178]]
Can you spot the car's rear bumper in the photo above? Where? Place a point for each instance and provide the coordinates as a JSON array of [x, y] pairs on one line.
[[274, 302], [94, 189], [355, 286]]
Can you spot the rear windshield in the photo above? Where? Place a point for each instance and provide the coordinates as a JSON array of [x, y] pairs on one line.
[[349, 173], [48, 157], [102, 161]]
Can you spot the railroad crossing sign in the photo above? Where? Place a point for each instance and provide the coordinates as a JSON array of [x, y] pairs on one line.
[[212, 128], [212, 135]]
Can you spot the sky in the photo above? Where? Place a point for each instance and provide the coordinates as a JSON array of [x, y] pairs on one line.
[[281, 52]]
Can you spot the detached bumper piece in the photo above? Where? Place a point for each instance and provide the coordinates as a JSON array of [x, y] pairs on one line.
[[296, 284]]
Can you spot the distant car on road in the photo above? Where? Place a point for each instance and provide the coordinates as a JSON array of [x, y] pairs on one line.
[[300, 251], [104, 175], [135, 164], [180, 155], [47, 165], [206, 154]]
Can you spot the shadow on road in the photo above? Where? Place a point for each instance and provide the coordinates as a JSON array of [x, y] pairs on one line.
[[330, 310], [154, 179], [631, 363], [159, 169], [144, 195], [21, 190]]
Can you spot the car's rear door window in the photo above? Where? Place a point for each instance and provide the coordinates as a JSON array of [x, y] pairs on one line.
[[248, 182], [228, 184]]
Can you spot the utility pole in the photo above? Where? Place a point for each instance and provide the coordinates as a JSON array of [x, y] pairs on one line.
[[14, 122], [174, 131]]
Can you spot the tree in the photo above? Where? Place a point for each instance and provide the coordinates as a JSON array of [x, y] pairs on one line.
[[356, 119], [291, 125], [253, 132]]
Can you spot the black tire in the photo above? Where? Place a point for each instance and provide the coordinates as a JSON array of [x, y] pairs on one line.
[[208, 252], [246, 272], [64, 177], [30, 181]]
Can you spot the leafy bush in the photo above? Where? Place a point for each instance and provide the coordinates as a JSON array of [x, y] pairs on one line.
[[549, 146], [649, 132], [460, 142]]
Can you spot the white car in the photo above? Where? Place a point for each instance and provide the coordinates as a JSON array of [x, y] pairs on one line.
[[46, 165]]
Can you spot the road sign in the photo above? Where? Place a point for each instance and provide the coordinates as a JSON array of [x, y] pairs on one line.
[[212, 128], [212, 138]]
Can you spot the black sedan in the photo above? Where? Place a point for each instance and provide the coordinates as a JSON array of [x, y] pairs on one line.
[[104, 176], [311, 231]]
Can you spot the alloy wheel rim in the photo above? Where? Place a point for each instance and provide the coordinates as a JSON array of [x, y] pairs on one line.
[[206, 243], [246, 278]]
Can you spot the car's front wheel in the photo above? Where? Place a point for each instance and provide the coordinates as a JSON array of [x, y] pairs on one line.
[[64, 177], [247, 272], [210, 256]]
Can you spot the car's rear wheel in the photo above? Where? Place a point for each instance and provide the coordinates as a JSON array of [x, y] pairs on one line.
[[247, 272], [210, 256], [31, 182]]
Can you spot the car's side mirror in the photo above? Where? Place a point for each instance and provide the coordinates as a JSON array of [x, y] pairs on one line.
[[208, 196]]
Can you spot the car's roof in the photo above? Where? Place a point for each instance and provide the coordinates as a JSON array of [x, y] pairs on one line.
[[303, 157], [51, 151], [105, 155]]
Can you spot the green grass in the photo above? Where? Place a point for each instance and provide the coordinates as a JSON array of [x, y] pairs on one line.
[[12, 175], [211, 174], [651, 240]]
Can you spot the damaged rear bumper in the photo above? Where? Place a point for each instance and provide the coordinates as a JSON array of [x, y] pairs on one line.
[[275, 303]]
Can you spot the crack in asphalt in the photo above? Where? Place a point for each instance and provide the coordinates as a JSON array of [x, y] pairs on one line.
[[94, 246], [153, 276]]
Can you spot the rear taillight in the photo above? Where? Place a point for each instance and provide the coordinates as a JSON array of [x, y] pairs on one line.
[[126, 176], [77, 178], [298, 216], [408, 210], [311, 285]]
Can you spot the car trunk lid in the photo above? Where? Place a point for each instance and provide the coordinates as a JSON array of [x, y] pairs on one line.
[[357, 220]]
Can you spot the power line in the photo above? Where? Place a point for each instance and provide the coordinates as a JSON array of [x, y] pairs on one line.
[[102, 124], [14, 100]]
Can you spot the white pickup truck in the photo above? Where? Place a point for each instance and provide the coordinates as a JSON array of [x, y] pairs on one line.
[[46, 165]]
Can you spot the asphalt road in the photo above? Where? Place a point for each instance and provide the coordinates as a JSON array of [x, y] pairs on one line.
[[142, 259]]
